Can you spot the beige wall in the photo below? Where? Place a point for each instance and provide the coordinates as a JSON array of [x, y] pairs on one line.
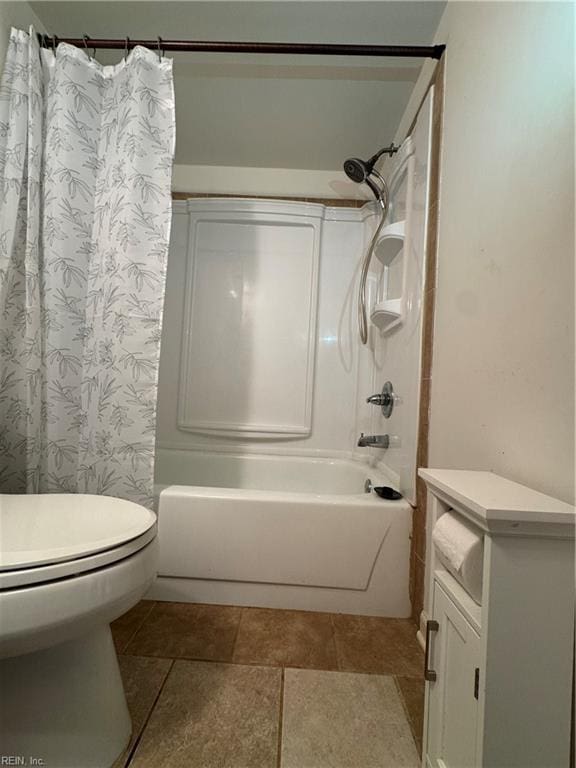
[[275, 182], [503, 367], [15, 14]]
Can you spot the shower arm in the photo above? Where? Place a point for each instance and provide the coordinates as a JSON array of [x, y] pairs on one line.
[[390, 151]]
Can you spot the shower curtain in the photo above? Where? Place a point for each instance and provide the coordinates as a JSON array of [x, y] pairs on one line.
[[85, 209]]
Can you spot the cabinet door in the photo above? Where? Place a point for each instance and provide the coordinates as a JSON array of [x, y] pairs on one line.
[[452, 698]]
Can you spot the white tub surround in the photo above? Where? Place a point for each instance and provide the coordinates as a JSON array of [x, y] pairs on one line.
[[396, 287], [280, 532], [258, 432], [253, 472], [249, 342], [499, 673], [278, 372]]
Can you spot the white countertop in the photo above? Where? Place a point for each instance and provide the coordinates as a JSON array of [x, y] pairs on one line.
[[493, 500]]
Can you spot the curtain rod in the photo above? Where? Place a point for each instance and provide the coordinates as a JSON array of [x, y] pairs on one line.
[[314, 49]]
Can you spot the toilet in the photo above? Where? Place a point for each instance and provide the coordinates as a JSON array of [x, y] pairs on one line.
[[69, 565]]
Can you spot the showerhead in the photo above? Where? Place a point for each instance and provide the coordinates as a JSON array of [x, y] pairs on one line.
[[357, 170], [360, 170]]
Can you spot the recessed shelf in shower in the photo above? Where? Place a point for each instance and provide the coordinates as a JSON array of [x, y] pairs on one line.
[[391, 242], [388, 311]]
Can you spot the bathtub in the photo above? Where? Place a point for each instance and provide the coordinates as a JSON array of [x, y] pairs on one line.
[[281, 532]]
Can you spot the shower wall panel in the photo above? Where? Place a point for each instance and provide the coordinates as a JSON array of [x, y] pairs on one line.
[[258, 344], [249, 331], [396, 356]]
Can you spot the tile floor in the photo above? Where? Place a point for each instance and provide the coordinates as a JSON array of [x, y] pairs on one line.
[[228, 687]]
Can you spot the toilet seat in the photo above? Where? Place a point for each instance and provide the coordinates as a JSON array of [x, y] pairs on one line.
[[54, 536], [69, 566]]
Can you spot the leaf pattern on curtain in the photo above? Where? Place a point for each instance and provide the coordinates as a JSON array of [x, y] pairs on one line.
[[85, 210]]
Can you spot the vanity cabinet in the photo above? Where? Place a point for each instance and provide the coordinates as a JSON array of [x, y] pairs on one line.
[[454, 659], [499, 673]]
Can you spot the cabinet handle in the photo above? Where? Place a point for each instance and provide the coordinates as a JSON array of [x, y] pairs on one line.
[[429, 674]]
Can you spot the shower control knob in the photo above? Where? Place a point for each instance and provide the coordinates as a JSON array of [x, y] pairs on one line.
[[385, 399]]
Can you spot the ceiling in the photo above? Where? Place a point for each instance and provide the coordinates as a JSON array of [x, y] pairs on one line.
[[306, 112]]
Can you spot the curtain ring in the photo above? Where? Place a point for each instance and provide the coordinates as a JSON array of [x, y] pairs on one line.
[[126, 44], [86, 38], [159, 48], [54, 43]]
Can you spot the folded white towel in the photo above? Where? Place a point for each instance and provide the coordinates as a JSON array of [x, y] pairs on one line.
[[461, 547]]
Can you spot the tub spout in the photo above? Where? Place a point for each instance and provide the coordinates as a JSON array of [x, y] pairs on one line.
[[375, 441]]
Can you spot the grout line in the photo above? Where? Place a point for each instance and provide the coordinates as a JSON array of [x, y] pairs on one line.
[[200, 659], [407, 712], [242, 610], [270, 665], [139, 627], [232, 662], [280, 720], [147, 719], [338, 662]]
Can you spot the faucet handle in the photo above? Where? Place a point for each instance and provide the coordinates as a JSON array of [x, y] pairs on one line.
[[385, 399]]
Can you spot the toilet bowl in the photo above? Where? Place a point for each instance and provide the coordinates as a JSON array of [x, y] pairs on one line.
[[69, 565]]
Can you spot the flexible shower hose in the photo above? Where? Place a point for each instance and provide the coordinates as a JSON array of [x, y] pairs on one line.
[[362, 315]]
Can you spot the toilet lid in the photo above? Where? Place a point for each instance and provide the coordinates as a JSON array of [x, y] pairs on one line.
[[51, 528]]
